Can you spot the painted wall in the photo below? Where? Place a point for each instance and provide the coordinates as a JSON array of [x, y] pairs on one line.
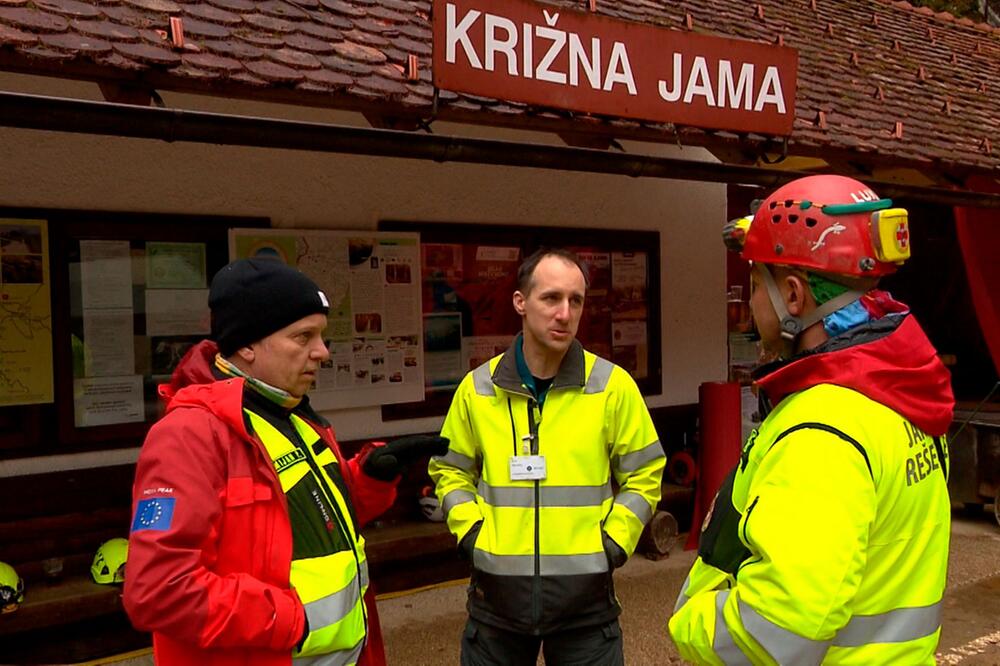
[[312, 190]]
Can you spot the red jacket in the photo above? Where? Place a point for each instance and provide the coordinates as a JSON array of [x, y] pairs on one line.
[[209, 578]]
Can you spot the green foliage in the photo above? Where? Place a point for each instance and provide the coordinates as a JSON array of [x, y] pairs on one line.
[[960, 8]]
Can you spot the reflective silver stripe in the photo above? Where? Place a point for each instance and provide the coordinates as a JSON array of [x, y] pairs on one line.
[[364, 573], [334, 607], [341, 658], [551, 565], [599, 376], [896, 626], [459, 460], [456, 497], [682, 598], [524, 497], [631, 462], [723, 645], [637, 504], [483, 380], [786, 647]]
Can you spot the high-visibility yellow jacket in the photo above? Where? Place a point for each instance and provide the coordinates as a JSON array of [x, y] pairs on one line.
[[329, 569], [539, 562], [828, 543]]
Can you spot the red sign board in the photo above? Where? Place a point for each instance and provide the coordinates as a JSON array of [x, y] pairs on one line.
[[551, 56]]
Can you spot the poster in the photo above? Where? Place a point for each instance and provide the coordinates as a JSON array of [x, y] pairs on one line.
[[175, 266], [629, 308], [177, 312], [106, 273], [108, 400], [375, 331], [109, 342], [25, 313]]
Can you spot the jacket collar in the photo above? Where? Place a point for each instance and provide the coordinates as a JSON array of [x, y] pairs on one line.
[[572, 370]]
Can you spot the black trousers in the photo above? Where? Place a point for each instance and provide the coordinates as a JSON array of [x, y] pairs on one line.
[[600, 645]]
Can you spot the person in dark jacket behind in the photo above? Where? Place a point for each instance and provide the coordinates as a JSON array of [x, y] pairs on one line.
[[246, 544]]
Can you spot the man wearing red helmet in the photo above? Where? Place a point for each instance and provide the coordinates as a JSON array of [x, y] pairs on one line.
[[828, 543]]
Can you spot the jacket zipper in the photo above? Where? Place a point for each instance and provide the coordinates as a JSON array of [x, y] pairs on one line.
[[536, 582]]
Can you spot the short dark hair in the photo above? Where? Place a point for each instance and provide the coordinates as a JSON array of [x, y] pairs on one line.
[[527, 268]]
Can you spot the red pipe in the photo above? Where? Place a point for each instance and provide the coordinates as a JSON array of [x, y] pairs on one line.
[[718, 447]]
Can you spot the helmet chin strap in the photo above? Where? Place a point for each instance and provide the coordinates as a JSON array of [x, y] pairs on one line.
[[792, 327]]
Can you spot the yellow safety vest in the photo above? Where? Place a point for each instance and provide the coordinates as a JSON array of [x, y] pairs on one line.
[[836, 548], [331, 586], [539, 561]]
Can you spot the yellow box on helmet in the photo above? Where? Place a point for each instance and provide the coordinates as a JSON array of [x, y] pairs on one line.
[[891, 235]]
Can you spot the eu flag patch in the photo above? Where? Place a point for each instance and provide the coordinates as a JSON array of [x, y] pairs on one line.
[[154, 514]]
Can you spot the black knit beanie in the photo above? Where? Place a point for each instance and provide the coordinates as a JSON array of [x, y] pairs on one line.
[[252, 298]]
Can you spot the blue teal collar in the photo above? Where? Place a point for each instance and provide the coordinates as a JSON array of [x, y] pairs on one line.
[[527, 379]]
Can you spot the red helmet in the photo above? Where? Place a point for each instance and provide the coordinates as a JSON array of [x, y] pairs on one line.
[[832, 224]]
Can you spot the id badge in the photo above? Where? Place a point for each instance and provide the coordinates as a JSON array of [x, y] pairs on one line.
[[527, 468]]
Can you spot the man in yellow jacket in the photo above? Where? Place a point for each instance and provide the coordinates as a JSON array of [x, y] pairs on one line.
[[537, 435], [828, 543]]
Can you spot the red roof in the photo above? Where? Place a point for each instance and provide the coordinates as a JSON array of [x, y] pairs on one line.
[[877, 78]]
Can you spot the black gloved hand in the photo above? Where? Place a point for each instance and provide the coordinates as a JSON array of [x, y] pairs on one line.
[[387, 462], [616, 554]]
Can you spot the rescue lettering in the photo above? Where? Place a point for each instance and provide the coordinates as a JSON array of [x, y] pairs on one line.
[[923, 460], [513, 48]]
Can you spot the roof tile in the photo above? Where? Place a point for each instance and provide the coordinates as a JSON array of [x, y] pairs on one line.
[[265, 41], [310, 44], [359, 53], [14, 37], [33, 20], [344, 8], [233, 5], [332, 20], [161, 6], [274, 72], [323, 32], [195, 28], [69, 8], [128, 16], [43, 53], [106, 30], [210, 61], [366, 38], [296, 59], [282, 10], [269, 23], [75, 42], [148, 54], [329, 79], [343, 65], [234, 49], [213, 14]]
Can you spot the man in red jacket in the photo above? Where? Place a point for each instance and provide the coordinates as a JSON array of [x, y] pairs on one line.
[[245, 545]]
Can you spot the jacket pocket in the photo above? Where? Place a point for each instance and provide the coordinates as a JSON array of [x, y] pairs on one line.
[[245, 533], [241, 491]]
